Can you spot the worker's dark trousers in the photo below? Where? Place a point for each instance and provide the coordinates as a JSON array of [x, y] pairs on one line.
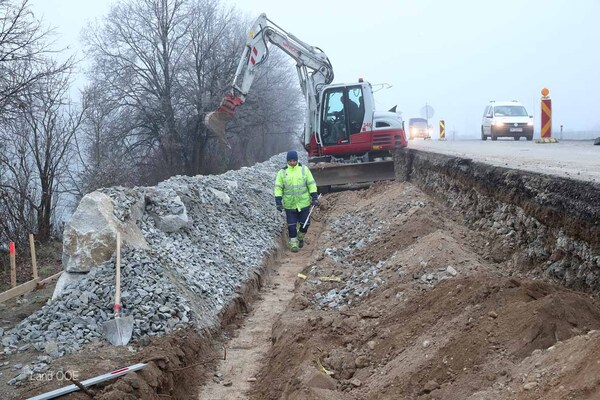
[[295, 216]]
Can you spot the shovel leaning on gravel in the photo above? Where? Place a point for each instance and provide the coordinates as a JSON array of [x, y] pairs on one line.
[[118, 330]]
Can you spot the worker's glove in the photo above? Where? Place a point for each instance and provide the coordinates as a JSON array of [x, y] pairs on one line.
[[315, 201], [278, 204]]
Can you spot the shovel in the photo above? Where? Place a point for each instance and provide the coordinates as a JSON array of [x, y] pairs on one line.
[[118, 331]]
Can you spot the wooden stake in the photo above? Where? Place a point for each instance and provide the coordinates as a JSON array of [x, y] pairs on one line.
[[13, 265], [33, 259]]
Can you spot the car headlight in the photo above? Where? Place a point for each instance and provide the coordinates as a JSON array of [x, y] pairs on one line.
[[530, 122], [497, 123]]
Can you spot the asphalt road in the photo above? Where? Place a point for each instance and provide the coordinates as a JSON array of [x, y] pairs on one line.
[[571, 159]]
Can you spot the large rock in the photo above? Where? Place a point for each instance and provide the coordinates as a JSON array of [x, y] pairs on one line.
[[597, 141], [89, 238], [167, 209]]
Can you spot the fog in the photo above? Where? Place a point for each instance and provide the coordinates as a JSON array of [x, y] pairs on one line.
[[455, 56]]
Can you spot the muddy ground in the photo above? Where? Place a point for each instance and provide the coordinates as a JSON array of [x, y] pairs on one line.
[[397, 298]]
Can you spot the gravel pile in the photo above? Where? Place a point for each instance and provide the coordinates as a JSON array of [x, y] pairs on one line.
[[188, 274], [356, 231]]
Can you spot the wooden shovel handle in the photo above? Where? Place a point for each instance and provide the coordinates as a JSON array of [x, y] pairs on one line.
[[118, 273]]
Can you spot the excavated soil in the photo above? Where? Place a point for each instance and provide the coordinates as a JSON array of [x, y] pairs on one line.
[[483, 333], [448, 315]]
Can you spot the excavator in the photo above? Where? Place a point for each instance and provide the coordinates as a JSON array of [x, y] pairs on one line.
[[347, 140]]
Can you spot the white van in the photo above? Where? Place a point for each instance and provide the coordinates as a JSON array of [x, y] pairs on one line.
[[506, 118], [418, 128]]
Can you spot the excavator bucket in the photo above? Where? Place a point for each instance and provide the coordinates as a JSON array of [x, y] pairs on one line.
[[216, 121], [327, 175]]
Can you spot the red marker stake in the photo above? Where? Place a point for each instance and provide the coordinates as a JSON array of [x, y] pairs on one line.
[[13, 265]]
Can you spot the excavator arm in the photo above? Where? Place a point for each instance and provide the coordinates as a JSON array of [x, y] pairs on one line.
[[313, 67]]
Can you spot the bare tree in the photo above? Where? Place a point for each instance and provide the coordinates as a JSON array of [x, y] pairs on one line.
[[161, 65], [101, 159], [136, 55], [216, 37], [25, 45], [264, 125], [36, 163], [262, 131], [16, 186], [34, 129]]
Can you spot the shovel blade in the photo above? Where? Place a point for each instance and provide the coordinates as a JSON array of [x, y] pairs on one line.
[[118, 331]]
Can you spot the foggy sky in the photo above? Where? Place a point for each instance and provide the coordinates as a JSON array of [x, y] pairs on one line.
[[453, 55]]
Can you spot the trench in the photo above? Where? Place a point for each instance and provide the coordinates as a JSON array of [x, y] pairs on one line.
[[544, 226], [220, 364], [249, 340]]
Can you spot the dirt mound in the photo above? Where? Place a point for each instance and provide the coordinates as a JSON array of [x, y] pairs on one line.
[[440, 321]]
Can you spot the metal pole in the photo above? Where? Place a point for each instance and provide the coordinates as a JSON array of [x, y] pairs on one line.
[[561, 132], [309, 213], [88, 383]]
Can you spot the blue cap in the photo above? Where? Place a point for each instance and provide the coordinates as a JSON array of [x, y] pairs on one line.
[[292, 155]]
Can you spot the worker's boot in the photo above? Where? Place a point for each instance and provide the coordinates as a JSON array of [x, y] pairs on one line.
[[300, 239], [294, 245]]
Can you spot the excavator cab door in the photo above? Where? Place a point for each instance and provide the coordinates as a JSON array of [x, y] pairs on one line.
[[334, 129], [343, 114], [356, 109]]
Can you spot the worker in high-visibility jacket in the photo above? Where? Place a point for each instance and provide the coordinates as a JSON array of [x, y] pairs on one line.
[[295, 191]]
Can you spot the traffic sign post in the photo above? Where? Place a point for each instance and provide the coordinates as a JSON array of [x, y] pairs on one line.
[[442, 130], [546, 117]]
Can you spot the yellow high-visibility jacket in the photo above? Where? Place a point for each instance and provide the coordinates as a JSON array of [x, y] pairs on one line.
[[295, 186]]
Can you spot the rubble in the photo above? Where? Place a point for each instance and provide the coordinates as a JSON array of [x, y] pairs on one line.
[[192, 244]]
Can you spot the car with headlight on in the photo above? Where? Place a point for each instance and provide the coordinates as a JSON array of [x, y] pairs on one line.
[[506, 119], [418, 128]]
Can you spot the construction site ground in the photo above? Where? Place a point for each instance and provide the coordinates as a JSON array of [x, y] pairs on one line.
[[447, 319]]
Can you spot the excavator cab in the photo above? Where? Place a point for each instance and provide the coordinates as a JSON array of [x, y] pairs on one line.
[[343, 114], [347, 134]]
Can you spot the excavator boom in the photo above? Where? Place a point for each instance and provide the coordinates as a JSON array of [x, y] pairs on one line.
[[340, 121], [313, 67]]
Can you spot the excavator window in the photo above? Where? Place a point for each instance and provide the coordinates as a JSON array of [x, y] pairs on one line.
[[343, 114], [334, 124], [356, 108]]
